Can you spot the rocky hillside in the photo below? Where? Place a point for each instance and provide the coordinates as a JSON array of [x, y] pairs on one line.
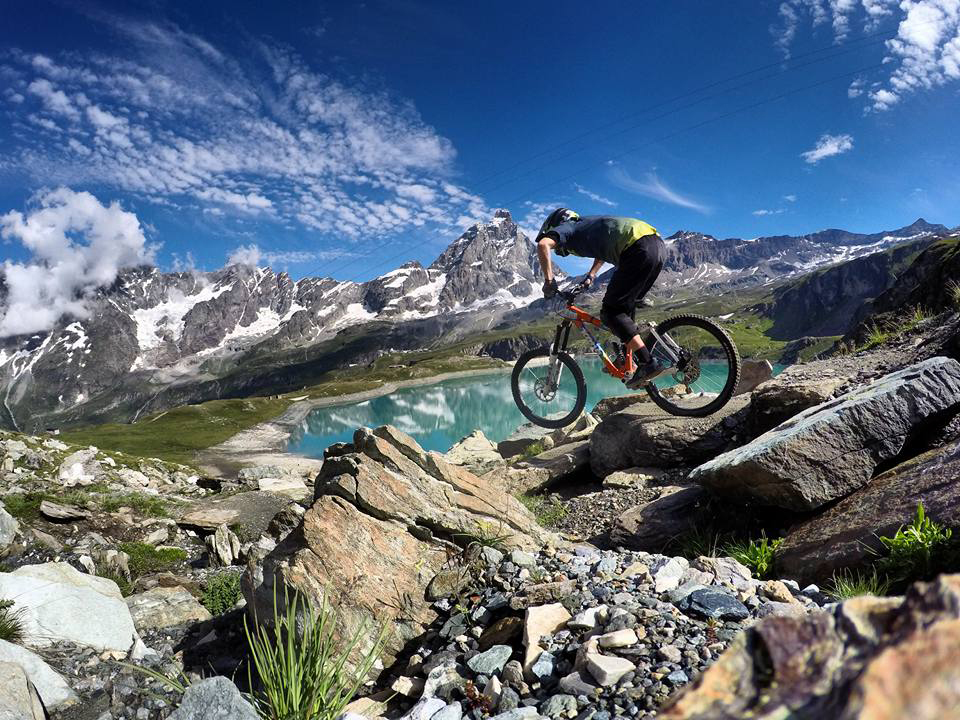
[[619, 572], [824, 302]]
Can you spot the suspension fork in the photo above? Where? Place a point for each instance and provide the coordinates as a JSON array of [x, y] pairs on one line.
[[560, 341]]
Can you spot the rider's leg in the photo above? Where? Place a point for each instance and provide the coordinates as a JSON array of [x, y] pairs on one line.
[[639, 267]]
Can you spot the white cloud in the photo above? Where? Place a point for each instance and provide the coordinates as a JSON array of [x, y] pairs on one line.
[[54, 100], [653, 187], [255, 256], [828, 146], [77, 245], [594, 196], [761, 213], [245, 255], [925, 53], [186, 124], [790, 198]]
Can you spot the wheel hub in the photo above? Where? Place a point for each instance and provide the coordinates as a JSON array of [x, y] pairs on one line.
[[544, 390]]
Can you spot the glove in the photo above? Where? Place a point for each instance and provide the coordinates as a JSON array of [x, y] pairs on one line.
[[550, 288], [587, 282]]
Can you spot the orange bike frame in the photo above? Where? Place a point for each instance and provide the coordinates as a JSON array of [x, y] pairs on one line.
[[581, 318]]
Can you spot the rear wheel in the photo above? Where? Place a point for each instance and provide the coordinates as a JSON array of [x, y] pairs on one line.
[[705, 374], [550, 391]]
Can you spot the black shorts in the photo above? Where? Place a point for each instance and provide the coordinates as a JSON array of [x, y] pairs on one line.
[[638, 269]]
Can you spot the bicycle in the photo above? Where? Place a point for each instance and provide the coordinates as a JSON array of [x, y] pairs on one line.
[[703, 367]]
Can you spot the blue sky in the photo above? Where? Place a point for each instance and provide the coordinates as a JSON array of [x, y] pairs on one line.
[[346, 138]]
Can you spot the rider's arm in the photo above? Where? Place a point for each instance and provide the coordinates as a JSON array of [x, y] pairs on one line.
[[594, 269], [544, 246]]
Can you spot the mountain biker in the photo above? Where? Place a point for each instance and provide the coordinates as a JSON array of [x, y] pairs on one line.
[[637, 251]]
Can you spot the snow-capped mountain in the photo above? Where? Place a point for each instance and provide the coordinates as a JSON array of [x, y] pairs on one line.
[[177, 328], [699, 260]]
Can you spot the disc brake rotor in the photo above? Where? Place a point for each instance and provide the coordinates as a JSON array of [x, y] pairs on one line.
[[544, 391]]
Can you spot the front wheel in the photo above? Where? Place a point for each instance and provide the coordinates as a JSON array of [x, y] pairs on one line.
[[704, 366], [549, 390]]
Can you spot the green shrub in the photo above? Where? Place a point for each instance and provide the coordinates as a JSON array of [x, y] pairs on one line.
[[758, 556], [484, 534], [853, 583], [24, 506], [145, 559], [303, 667], [916, 550], [548, 512], [221, 593], [699, 542], [11, 623]]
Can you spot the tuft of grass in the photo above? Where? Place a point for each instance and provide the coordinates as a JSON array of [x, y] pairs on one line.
[[916, 550], [142, 503], [548, 512], [756, 555], [125, 586], [483, 534], [24, 506], [853, 583], [533, 450], [953, 294], [146, 559], [221, 593], [699, 542], [304, 669], [879, 332], [11, 623]]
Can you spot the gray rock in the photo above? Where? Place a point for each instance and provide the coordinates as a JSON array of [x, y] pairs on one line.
[[829, 451], [224, 546], [18, 697], [62, 513], [61, 603], [453, 711], [249, 512], [575, 684], [523, 559], [607, 669], [442, 682], [752, 373], [215, 698], [425, 709], [559, 706], [163, 607], [51, 687], [714, 603], [475, 452], [651, 526], [520, 713], [666, 575], [80, 468], [520, 439], [678, 677], [491, 661], [644, 435], [9, 527], [544, 666]]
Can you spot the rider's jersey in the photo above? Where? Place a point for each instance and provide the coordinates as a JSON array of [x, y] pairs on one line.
[[601, 237]]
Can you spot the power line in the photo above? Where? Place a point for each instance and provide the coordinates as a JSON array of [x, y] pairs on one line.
[[689, 128]]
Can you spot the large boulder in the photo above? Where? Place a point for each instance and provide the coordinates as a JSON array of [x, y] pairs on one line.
[[549, 467], [877, 658], [51, 687], [524, 437], [8, 528], [475, 452], [645, 435], [752, 373], [384, 522], [59, 602], [163, 607], [790, 393], [829, 451], [18, 697], [845, 535], [652, 526]]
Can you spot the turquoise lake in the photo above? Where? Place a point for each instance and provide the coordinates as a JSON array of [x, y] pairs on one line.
[[438, 415]]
